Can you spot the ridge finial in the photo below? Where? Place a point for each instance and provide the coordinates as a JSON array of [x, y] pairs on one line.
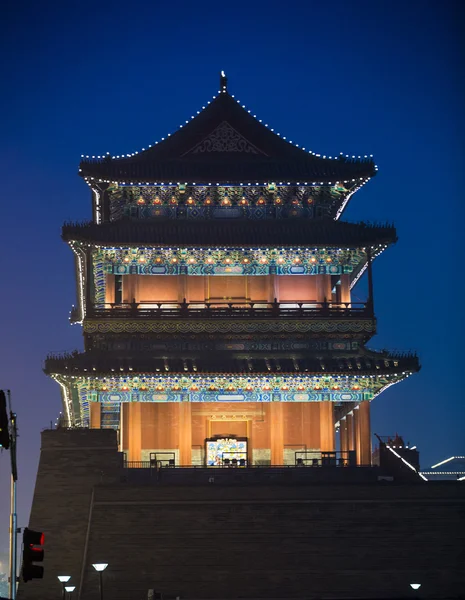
[[223, 82]]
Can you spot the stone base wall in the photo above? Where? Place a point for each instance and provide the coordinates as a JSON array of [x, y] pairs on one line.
[[213, 540]]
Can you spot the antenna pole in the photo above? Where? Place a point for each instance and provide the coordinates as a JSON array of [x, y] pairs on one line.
[[13, 515]]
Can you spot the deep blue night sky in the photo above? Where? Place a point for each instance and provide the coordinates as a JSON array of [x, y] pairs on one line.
[[359, 77]]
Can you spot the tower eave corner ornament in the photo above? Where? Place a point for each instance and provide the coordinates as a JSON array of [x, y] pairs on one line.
[[223, 82]]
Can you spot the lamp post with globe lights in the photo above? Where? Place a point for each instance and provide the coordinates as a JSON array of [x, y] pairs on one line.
[[63, 579], [100, 568]]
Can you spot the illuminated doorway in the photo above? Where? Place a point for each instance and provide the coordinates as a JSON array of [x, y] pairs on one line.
[[221, 451]]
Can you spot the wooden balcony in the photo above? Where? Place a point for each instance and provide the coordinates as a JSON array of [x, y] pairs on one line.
[[231, 310]]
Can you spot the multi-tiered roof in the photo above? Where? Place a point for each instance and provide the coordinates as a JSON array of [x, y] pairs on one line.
[[226, 191]]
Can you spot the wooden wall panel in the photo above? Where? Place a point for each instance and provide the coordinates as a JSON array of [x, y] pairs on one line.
[[157, 288], [223, 288], [258, 288], [292, 415], [261, 427], [297, 287], [196, 289], [229, 428]]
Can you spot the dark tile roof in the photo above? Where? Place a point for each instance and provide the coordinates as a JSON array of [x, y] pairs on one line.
[[365, 362], [224, 143], [301, 232]]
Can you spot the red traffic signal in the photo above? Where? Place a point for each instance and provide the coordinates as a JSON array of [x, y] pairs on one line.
[[32, 554]]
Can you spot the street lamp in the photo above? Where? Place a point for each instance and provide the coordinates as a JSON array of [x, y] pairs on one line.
[[415, 586], [63, 579], [100, 568], [70, 589]]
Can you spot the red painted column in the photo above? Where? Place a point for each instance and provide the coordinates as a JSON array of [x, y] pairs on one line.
[[134, 443], [276, 433], [364, 432], [327, 438], [350, 431], [343, 436], [185, 433], [95, 415]]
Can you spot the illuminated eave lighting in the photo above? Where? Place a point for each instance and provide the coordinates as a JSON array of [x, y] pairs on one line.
[[407, 463], [443, 462], [224, 90]]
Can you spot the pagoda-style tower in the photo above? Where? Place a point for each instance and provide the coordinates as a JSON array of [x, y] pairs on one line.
[[214, 291]]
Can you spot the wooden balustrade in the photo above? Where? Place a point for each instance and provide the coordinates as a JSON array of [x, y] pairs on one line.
[[219, 310]]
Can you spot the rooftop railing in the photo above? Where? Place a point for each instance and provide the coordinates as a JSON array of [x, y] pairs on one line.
[[225, 309]]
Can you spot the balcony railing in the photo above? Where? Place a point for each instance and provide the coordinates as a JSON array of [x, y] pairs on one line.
[[231, 310]]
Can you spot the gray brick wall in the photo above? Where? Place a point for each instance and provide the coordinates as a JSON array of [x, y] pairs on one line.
[[244, 541]]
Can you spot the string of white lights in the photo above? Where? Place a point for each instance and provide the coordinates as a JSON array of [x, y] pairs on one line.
[[407, 463], [66, 399]]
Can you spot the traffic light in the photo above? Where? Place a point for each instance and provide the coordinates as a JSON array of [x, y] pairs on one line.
[[4, 432], [32, 554]]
